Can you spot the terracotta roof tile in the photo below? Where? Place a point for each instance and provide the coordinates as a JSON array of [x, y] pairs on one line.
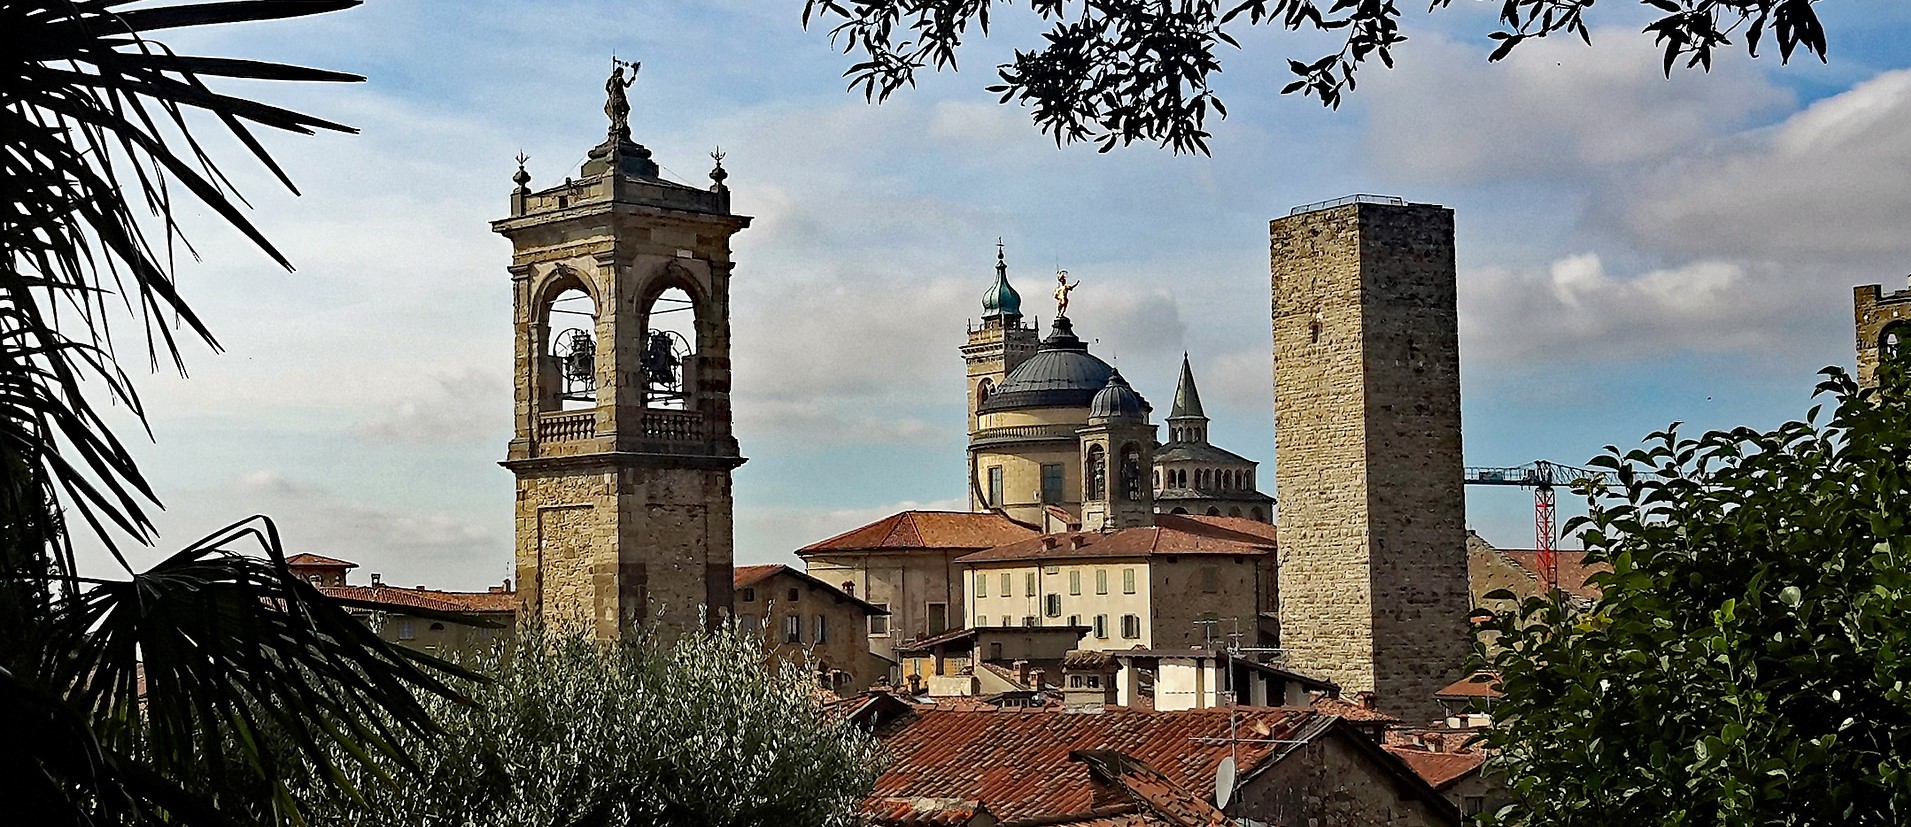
[[319, 561], [1016, 762], [1573, 570], [1171, 534], [1353, 711], [927, 530], [1438, 769], [910, 812], [1477, 685], [431, 599]]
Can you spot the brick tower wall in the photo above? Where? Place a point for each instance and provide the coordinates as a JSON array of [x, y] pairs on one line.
[[1372, 577]]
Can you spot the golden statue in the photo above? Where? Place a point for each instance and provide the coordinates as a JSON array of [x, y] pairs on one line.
[[1062, 287]]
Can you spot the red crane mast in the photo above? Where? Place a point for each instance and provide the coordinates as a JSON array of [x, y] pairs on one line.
[[1543, 477]]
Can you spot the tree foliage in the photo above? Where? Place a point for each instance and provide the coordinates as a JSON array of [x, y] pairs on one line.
[[1749, 659], [577, 732], [1118, 71], [125, 695]]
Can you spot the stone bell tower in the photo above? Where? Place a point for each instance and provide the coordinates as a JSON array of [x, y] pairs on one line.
[[623, 449], [1118, 459]]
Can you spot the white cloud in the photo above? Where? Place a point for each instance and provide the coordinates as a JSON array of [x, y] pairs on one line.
[[1831, 183], [1553, 107], [463, 407]]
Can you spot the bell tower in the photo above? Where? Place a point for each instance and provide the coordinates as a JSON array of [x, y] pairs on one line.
[[1118, 457], [623, 449]]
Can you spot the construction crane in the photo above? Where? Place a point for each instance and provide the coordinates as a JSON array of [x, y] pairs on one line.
[[1541, 476]]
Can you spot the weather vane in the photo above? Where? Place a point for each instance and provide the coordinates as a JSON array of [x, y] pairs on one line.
[[1062, 289]]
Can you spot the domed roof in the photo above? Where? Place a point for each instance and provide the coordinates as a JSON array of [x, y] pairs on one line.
[[1001, 299], [1061, 374], [1117, 399]]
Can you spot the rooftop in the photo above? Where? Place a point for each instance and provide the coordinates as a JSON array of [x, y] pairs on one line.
[[1171, 534], [747, 576], [487, 602], [318, 561], [1439, 769], [1061, 374], [926, 530]]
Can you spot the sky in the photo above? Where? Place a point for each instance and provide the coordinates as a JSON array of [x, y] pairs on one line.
[[1633, 251]]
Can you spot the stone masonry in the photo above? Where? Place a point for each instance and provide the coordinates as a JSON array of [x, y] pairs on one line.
[[1373, 590], [1881, 320], [624, 508]]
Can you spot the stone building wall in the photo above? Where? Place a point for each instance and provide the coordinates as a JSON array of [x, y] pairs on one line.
[[1327, 782], [844, 646], [1872, 312], [1368, 466], [1182, 600]]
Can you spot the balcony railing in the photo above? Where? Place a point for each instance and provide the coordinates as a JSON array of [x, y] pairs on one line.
[[566, 426], [672, 426], [1025, 433]]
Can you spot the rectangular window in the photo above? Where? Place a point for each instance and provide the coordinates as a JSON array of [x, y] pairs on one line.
[[1101, 581], [822, 629], [1210, 579], [1131, 627], [1028, 620], [1075, 581], [1028, 585], [938, 618], [795, 595], [1127, 581], [995, 485], [749, 595], [1472, 805], [1054, 605], [1074, 620], [747, 623], [1101, 626], [405, 630], [792, 629], [1052, 484], [879, 624], [1008, 585], [981, 584]]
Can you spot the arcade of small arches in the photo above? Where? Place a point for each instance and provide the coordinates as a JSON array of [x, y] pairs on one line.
[[1205, 479]]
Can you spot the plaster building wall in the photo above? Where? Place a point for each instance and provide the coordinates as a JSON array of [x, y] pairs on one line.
[[1874, 314], [839, 644], [1326, 782], [1074, 582], [1029, 439], [1191, 588], [908, 584], [1367, 416]]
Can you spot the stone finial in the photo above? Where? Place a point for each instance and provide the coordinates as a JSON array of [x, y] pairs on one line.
[[522, 178], [718, 174]]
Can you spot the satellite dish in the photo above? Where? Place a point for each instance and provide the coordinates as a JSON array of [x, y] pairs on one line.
[[1224, 782]]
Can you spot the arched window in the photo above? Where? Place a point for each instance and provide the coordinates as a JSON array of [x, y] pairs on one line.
[[1234, 512], [1214, 512], [982, 391], [1131, 472], [668, 360], [568, 376], [1891, 342], [1258, 515], [1096, 472], [1178, 510]]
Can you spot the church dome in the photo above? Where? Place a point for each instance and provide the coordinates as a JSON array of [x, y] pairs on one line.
[[1117, 400], [1001, 299], [1061, 374]]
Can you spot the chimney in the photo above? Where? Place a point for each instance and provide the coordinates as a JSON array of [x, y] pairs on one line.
[[1035, 679], [1051, 541], [1075, 541], [1365, 700], [507, 585], [915, 683], [1021, 672], [377, 580]]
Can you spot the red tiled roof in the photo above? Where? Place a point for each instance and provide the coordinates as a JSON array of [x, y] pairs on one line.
[[1572, 567], [319, 561], [1476, 685], [1439, 769], [753, 575], [927, 530], [1353, 711], [1017, 762], [910, 812], [432, 599], [1171, 534]]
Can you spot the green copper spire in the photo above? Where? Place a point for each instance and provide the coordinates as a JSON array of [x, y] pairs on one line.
[[1001, 300], [1187, 400]]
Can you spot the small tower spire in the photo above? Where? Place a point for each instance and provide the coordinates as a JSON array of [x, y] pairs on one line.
[[1001, 299], [1187, 422]]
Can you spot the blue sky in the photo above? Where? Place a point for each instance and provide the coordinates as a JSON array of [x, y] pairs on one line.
[[1633, 251]]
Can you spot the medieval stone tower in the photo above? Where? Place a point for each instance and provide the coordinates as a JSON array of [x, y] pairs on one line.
[[1883, 324], [1001, 343], [1368, 466], [623, 449]]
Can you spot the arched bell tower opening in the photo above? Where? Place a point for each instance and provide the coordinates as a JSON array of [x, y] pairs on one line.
[[623, 447]]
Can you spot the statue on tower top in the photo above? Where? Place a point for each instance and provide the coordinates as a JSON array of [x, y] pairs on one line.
[[1062, 289], [616, 104]]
